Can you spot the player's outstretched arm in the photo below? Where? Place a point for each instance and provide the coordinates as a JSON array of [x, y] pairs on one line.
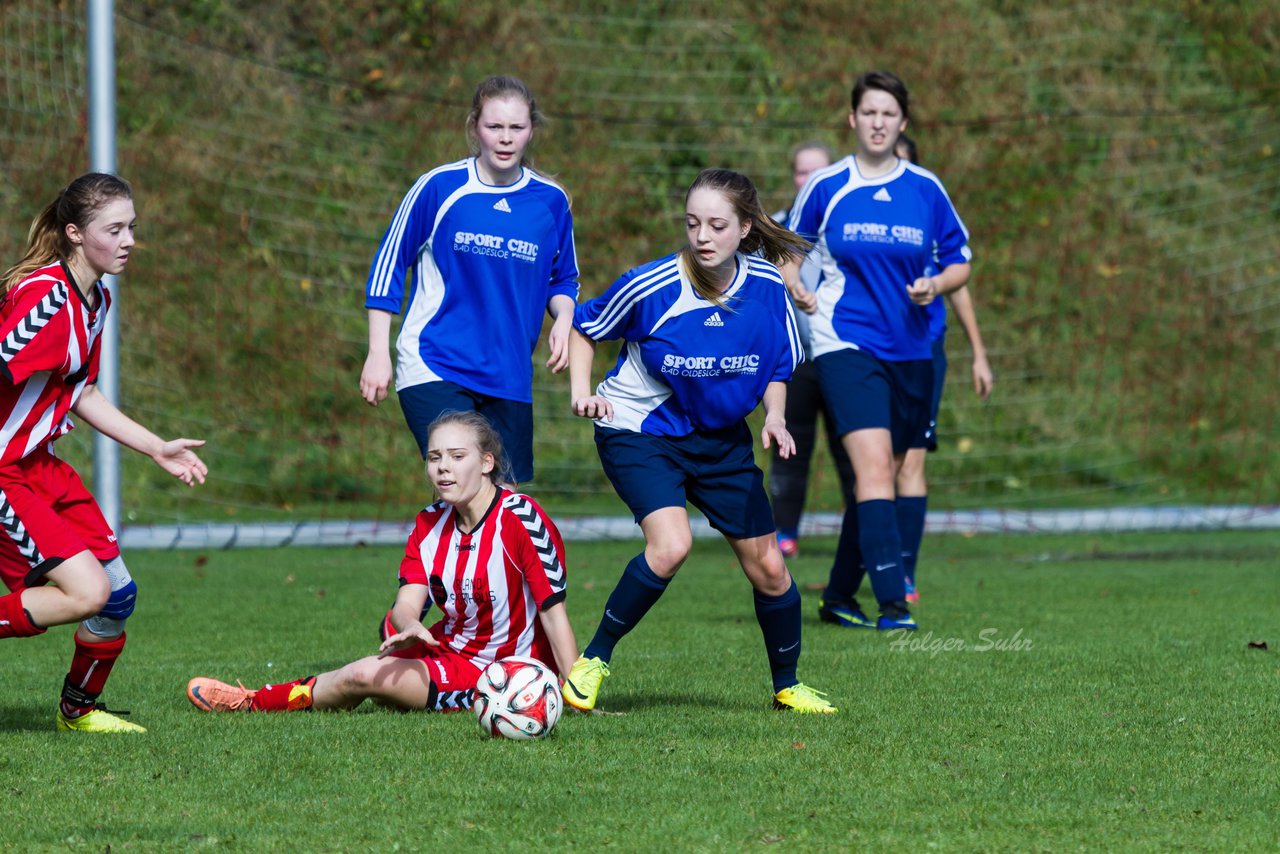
[[174, 456]]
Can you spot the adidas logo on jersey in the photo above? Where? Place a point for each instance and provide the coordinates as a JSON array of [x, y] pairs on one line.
[[713, 320], [882, 195], [502, 205]]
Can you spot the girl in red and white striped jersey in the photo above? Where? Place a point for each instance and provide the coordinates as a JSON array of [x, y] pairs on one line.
[[52, 312], [490, 559]]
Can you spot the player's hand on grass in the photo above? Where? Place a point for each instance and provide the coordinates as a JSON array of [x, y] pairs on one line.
[[177, 458], [415, 633], [593, 406], [375, 378]]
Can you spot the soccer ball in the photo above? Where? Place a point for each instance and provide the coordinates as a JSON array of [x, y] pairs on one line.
[[518, 698]]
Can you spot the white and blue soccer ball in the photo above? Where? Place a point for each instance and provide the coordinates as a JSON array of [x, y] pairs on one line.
[[518, 698]]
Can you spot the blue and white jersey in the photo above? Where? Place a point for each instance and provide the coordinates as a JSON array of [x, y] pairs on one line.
[[937, 318], [486, 260], [877, 236], [937, 310], [810, 277], [687, 364]]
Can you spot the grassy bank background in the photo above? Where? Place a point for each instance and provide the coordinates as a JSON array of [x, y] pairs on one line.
[[1116, 167]]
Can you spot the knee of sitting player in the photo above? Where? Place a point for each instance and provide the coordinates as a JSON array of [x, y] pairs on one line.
[[359, 678]]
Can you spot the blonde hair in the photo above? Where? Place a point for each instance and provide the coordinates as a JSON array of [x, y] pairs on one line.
[[488, 440], [75, 205], [766, 238]]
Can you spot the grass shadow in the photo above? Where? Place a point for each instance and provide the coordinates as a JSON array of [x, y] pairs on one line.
[[27, 718], [641, 702]]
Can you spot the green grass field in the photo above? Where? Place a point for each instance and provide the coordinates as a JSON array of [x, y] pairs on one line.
[[1106, 699]]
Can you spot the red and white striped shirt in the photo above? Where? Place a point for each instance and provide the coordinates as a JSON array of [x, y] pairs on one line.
[[492, 582], [49, 351]]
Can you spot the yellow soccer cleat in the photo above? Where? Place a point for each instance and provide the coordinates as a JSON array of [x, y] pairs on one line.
[[210, 695], [803, 699], [583, 683], [98, 720]]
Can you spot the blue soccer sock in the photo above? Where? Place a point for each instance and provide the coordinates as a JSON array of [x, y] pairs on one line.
[[911, 513], [779, 618], [847, 569], [636, 592], [882, 550]]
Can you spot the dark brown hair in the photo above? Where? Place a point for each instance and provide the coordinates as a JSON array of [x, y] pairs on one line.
[[909, 145], [885, 82]]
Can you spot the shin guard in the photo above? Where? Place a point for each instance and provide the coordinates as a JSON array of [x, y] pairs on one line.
[[292, 696], [90, 667]]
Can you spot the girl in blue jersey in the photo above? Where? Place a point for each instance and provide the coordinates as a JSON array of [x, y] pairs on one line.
[[491, 245], [912, 485], [882, 225], [789, 478], [707, 335]]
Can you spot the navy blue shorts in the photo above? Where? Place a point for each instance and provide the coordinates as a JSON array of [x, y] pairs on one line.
[[513, 420], [864, 392], [939, 379], [714, 471]]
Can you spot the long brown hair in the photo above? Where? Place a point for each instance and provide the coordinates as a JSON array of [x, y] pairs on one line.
[[766, 238], [76, 205]]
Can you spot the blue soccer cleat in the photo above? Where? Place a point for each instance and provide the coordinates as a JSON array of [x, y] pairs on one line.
[[896, 619]]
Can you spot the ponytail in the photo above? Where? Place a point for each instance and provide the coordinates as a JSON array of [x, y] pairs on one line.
[[45, 244]]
